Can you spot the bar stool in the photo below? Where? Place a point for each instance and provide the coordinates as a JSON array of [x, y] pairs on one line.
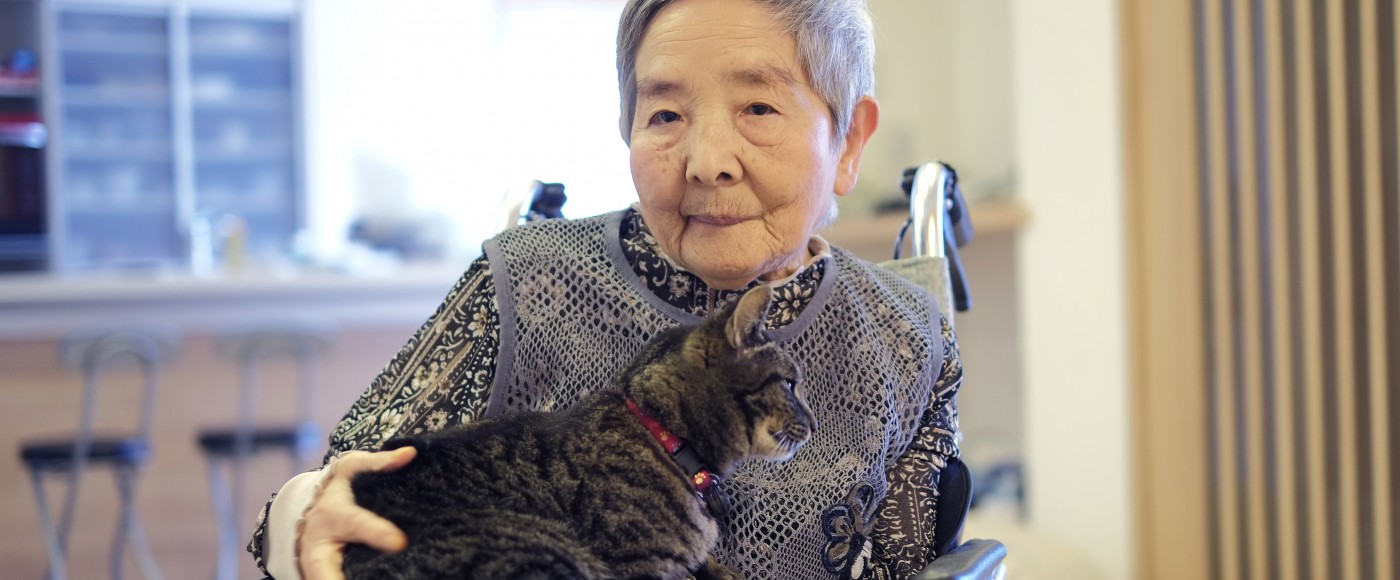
[[91, 354], [228, 449]]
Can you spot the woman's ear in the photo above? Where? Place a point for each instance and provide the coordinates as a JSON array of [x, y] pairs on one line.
[[864, 119]]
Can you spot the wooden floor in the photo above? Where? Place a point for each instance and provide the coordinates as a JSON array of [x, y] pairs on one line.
[[39, 398]]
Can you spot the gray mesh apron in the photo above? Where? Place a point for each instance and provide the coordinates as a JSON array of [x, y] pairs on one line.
[[572, 313]]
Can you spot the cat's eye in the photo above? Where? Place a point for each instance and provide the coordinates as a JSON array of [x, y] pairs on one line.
[[790, 385]]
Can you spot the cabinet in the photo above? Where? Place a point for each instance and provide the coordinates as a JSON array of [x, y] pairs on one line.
[[173, 126], [23, 137]]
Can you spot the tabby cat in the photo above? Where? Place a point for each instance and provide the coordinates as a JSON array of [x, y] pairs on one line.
[[598, 490]]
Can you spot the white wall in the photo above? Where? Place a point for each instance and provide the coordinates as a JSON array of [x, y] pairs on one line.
[[1071, 269], [943, 78]]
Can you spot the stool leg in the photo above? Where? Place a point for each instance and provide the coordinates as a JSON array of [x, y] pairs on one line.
[[226, 562], [131, 526], [238, 471], [116, 558], [58, 568], [144, 558]]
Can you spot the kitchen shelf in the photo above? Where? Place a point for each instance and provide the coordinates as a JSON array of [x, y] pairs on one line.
[[115, 44], [229, 51], [245, 100], [121, 152], [249, 205], [19, 89], [132, 207], [254, 152], [115, 97], [167, 110]]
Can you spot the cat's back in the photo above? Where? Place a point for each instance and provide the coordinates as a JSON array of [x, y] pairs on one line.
[[461, 467], [542, 463], [589, 477]]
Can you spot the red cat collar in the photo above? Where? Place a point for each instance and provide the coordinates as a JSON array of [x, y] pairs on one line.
[[700, 477]]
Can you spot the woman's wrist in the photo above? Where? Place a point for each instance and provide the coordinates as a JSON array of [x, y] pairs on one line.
[[287, 518]]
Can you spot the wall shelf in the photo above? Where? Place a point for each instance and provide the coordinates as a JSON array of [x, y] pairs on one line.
[[872, 237], [17, 89]]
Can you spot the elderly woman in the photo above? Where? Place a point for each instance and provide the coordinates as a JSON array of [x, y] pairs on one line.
[[745, 120]]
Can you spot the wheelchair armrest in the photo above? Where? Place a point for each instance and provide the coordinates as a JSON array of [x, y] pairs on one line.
[[973, 560]]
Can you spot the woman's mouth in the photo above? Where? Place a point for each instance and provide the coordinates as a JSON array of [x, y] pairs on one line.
[[717, 220]]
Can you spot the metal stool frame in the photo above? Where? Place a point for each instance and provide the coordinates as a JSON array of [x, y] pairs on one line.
[[228, 450], [92, 354]]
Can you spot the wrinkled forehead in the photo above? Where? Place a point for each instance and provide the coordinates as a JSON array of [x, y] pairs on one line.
[[667, 83], [736, 40]]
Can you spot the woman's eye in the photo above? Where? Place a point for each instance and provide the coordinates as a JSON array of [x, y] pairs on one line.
[[664, 117], [760, 109]]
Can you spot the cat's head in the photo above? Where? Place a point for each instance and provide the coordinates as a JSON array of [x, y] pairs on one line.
[[763, 378], [725, 386]]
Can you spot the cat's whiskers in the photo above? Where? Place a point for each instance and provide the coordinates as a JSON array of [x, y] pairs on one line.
[[785, 444]]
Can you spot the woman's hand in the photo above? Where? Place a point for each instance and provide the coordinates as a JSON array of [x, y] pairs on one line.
[[335, 520]]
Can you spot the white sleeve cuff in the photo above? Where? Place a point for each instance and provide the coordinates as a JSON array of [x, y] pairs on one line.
[[286, 517]]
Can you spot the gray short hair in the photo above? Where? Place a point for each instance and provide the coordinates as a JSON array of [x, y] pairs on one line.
[[835, 46]]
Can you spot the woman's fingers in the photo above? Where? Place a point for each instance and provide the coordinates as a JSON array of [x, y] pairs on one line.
[[322, 560], [388, 460], [365, 527], [335, 520], [323, 554]]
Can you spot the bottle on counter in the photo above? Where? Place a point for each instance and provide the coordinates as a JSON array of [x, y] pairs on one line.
[[233, 235]]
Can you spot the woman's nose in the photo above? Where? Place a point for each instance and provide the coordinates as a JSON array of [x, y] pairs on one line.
[[712, 156]]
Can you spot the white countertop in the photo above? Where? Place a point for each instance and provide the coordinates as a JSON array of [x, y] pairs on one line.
[[49, 305]]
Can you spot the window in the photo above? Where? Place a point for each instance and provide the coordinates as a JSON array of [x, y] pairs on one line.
[[433, 109]]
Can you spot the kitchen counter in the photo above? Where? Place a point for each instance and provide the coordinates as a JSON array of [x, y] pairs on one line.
[[50, 305]]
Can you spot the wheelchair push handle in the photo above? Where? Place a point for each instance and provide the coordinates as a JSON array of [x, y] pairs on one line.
[[534, 201], [940, 220]]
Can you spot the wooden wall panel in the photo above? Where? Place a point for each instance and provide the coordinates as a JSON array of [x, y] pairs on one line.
[[1293, 128]]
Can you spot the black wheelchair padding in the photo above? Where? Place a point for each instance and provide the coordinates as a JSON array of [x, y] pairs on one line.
[[954, 500]]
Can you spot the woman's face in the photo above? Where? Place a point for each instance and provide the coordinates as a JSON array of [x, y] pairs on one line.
[[732, 151]]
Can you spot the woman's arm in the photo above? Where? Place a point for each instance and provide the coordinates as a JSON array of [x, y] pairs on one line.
[[441, 377], [904, 526]]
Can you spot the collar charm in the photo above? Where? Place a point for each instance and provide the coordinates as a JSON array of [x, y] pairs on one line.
[[700, 478]]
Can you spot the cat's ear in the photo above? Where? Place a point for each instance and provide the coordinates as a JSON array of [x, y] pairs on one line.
[[745, 327]]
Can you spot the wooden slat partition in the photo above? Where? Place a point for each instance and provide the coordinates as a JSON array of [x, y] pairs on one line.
[[1342, 516], [1227, 537], [1371, 303], [1164, 174], [1276, 195], [1388, 89], [1312, 549], [1291, 138]]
